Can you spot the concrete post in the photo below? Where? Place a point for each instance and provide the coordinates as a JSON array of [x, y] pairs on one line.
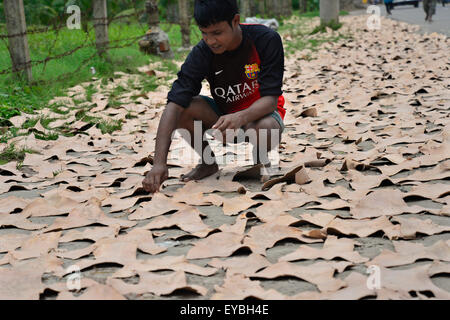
[[303, 6], [151, 7], [329, 11], [18, 41], [261, 7], [155, 41], [245, 8], [185, 22], [287, 8], [101, 25]]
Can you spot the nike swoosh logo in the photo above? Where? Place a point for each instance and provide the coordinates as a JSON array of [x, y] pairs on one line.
[[219, 72]]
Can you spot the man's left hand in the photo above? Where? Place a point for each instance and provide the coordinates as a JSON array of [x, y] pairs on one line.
[[230, 121]]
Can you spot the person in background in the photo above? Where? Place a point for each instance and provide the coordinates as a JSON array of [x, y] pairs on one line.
[[429, 6], [389, 5]]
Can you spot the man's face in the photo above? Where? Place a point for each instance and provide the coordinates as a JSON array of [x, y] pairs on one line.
[[221, 37]]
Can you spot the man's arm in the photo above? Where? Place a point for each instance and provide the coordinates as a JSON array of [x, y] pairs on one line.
[[167, 125], [187, 86], [260, 108]]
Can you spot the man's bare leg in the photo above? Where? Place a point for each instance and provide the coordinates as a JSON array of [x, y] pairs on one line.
[[199, 110], [202, 170], [264, 141]]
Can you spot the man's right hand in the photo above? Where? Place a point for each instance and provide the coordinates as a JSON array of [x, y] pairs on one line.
[[155, 178]]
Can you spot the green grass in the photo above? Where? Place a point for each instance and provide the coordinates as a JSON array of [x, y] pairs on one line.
[[323, 27], [106, 126], [47, 136], [299, 33], [18, 97], [109, 126], [55, 173], [90, 90], [30, 123], [10, 153], [7, 112], [29, 98], [313, 14]]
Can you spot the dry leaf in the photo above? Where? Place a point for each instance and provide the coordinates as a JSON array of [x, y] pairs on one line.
[[23, 280], [37, 245], [187, 220], [408, 252], [175, 263], [393, 204], [360, 228], [265, 236], [88, 214], [241, 265], [414, 279], [238, 287], [222, 244], [320, 273], [96, 292], [356, 288], [409, 227], [157, 284], [332, 248]]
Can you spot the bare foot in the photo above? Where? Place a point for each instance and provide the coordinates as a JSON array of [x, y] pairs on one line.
[[200, 171]]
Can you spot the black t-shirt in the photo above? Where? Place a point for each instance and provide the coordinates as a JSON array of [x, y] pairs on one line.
[[237, 78]]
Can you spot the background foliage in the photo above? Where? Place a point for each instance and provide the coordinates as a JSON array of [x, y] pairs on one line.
[[48, 12]]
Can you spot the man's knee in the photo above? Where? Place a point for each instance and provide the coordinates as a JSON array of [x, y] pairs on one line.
[[265, 126], [189, 114], [268, 122], [200, 110], [265, 131], [193, 107], [185, 119]]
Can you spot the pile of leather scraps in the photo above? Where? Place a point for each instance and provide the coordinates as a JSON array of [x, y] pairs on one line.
[[363, 185]]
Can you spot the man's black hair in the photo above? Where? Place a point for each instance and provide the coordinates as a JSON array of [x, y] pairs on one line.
[[209, 12]]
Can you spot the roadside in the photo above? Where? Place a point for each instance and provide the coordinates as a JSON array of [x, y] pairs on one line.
[[409, 14]]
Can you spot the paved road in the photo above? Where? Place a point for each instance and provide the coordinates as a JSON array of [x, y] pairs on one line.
[[441, 20]]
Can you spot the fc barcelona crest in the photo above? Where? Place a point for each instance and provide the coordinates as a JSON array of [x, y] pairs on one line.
[[252, 71]]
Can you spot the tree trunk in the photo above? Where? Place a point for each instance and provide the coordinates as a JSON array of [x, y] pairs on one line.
[[274, 8], [245, 8], [172, 13], [303, 6], [278, 8], [287, 8], [185, 19], [101, 25], [18, 41], [155, 41], [329, 11], [261, 7], [151, 8], [269, 8]]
